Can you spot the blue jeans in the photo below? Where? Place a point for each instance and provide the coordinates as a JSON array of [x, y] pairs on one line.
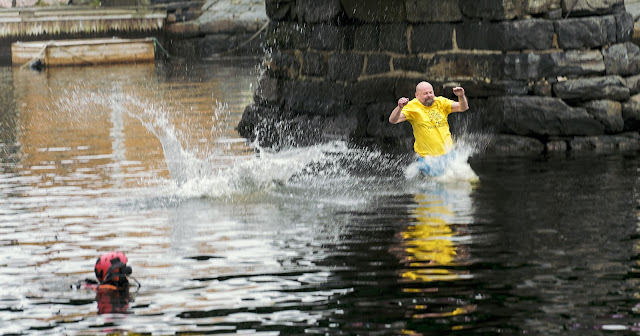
[[436, 165]]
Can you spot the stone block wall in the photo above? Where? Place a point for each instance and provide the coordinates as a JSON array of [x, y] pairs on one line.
[[542, 75]]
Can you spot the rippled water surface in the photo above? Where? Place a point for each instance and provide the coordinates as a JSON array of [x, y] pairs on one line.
[[226, 238]]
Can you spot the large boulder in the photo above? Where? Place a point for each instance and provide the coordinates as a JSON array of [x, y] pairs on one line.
[[589, 32], [606, 87], [608, 113], [622, 59], [543, 116]]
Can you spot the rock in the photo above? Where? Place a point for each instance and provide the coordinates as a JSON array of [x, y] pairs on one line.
[[268, 92], [314, 64], [377, 64], [624, 27], [592, 143], [433, 11], [367, 37], [635, 38], [287, 35], [492, 9], [313, 11], [314, 97], [631, 113], [411, 63], [393, 37], [345, 66], [431, 37], [375, 10], [262, 122], [480, 66], [239, 15], [543, 116], [605, 143], [633, 83], [388, 37], [542, 88], [339, 127], [591, 7], [514, 145], [379, 125], [279, 10], [556, 146], [184, 29], [534, 34], [574, 63], [326, 37], [608, 113], [282, 65], [628, 141], [488, 88], [589, 32], [542, 6], [377, 90], [622, 59], [607, 87]]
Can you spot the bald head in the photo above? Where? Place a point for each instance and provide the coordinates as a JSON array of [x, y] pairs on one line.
[[423, 86], [424, 93]]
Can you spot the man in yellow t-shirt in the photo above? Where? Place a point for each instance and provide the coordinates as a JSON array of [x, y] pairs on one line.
[[428, 116]]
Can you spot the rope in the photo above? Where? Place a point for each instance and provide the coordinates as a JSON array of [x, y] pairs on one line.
[[49, 44], [157, 43], [36, 57], [73, 55]]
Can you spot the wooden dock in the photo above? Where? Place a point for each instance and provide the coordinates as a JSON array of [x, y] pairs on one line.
[[29, 22], [83, 51]]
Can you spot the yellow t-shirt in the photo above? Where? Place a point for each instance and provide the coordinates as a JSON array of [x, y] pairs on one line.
[[430, 126]]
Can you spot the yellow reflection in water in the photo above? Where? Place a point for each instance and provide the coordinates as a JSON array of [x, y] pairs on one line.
[[429, 241], [433, 253]]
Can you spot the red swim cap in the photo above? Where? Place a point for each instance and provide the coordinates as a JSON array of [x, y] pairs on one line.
[[111, 268]]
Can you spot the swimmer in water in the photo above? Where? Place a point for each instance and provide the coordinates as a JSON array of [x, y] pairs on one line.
[[112, 285]]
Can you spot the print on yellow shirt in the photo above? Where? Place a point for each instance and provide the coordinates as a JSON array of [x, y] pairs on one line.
[[430, 126]]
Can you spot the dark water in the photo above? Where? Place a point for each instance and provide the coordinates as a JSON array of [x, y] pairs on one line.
[[331, 239]]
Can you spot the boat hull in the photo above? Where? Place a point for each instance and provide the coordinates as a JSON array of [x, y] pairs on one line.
[[83, 52]]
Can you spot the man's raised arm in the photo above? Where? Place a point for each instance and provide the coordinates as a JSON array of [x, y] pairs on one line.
[[397, 116], [462, 104]]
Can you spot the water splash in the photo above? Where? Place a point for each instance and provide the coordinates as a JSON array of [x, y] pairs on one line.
[[329, 171], [455, 168]]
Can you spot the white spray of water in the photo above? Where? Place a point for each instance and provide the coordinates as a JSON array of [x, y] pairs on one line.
[[197, 173], [456, 167]]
